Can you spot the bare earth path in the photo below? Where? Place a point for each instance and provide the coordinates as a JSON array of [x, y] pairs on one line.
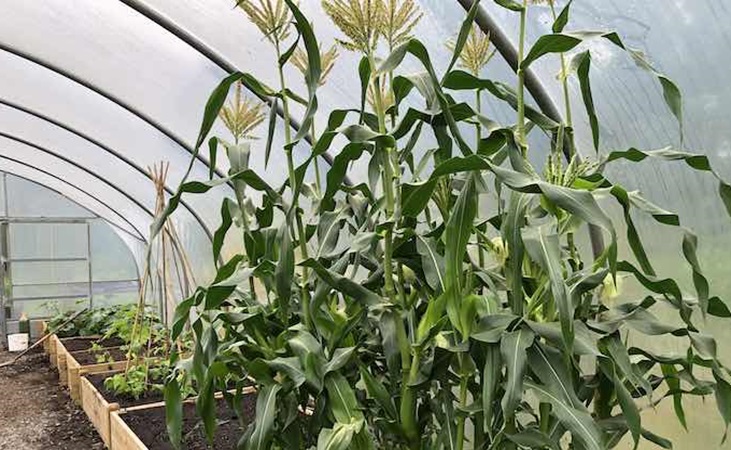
[[36, 413]]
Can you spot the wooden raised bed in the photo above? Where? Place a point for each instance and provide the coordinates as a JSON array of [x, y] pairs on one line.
[[47, 342], [99, 408], [75, 370], [50, 347], [64, 346], [61, 352], [124, 438]]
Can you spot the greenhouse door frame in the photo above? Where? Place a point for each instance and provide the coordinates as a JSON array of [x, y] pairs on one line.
[[6, 267]]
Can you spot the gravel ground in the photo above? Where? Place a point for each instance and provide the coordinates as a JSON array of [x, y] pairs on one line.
[[36, 413]]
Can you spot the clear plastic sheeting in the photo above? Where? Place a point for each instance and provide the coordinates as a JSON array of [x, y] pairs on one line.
[[93, 93]]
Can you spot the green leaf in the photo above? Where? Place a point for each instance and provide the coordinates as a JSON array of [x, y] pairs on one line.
[[491, 328], [182, 313], [512, 235], [657, 440], [343, 284], [415, 196], [271, 127], [666, 286], [633, 237], [343, 403], [447, 418], [716, 307], [563, 19], [533, 438], [549, 43], [724, 190], [460, 80], [339, 359], [314, 68], [583, 66], [548, 365], [291, 367], [491, 375], [214, 104], [206, 406], [723, 400], [613, 346], [364, 72], [670, 374], [670, 91], [630, 411], [673, 98], [464, 33], [338, 171], [174, 412], [289, 52], [220, 234], [690, 247], [212, 155], [585, 341], [266, 411], [431, 262], [200, 187], [512, 5], [513, 350], [284, 273], [704, 345], [545, 250], [339, 437], [378, 392], [581, 424], [695, 161], [456, 236], [419, 51]]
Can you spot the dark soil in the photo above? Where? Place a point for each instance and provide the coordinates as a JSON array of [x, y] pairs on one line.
[[125, 401], [84, 343], [149, 425], [35, 413], [88, 357]]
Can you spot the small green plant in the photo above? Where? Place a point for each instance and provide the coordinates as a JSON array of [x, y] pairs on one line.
[[92, 322], [101, 354], [149, 331], [144, 378], [395, 310], [133, 383]]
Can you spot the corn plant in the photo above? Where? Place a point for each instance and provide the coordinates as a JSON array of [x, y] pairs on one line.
[[397, 313]]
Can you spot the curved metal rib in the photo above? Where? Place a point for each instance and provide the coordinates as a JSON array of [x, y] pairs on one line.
[[109, 96], [86, 170], [107, 149], [139, 236]]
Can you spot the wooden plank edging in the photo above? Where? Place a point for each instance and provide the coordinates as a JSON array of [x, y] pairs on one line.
[[97, 409], [52, 349], [75, 370], [122, 436]]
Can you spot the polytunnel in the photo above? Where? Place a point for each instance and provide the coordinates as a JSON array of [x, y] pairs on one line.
[[95, 93]]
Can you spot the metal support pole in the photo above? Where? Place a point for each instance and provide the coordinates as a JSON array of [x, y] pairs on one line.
[[88, 262], [3, 262]]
